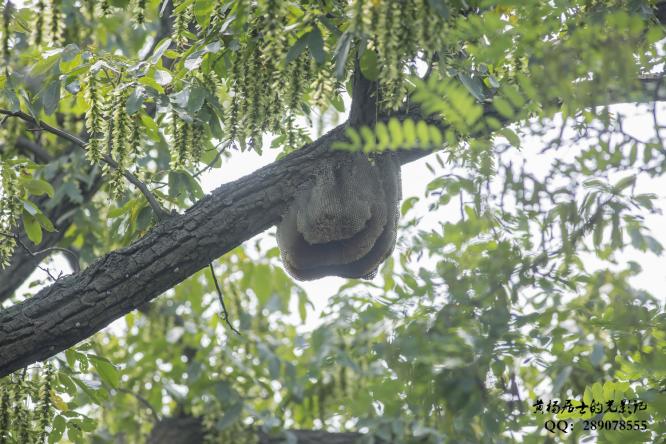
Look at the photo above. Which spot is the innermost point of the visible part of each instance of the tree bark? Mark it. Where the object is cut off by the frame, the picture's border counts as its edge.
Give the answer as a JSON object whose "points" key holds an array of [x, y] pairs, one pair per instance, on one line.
{"points": [[77, 306], [189, 430]]}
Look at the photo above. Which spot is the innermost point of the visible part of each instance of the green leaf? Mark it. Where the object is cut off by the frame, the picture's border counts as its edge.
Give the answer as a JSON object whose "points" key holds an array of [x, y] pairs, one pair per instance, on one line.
{"points": [[12, 99], [47, 63], [162, 77], [409, 131], [597, 355], [194, 60], [150, 126], [57, 429], [440, 7], [183, 6], [231, 415], [316, 45], [368, 64], [202, 12], [196, 99], [369, 139], [159, 51], [297, 48], [511, 136], [181, 98], [423, 133], [654, 245], [383, 137], [177, 183], [435, 135], [30, 207], [51, 97], [261, 283], [69, 52], [38, 187], [503, 107], [302, 305], [135, 100], [45, 222], [32, 228], [341, 54], [395, 129], [354, 138], [87, 389], [106, 370], [408, 204], [473, 85], [624, 183]]}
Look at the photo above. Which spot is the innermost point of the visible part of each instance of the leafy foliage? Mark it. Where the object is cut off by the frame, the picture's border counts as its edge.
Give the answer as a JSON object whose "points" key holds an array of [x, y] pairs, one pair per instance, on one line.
{"points": [[493, 304]]}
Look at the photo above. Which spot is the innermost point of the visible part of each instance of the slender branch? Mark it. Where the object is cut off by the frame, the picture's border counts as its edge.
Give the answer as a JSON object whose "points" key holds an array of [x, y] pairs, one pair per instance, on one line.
{"points": [[45, 126], [67, 251], [225, 314], [160, 212], [212, 162]]}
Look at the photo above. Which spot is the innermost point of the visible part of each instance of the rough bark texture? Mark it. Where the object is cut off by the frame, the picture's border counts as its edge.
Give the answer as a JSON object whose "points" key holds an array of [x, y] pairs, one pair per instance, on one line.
{"points": [[79, 305], [188, 430]]}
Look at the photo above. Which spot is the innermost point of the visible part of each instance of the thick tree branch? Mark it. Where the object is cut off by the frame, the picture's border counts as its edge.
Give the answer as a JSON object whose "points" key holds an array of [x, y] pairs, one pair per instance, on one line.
{"points": [[79, 305], [189, 430]]}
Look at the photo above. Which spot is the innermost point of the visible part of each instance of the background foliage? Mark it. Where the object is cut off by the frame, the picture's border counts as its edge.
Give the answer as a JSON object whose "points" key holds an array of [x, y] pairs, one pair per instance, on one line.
{"points": [[465, 326]]}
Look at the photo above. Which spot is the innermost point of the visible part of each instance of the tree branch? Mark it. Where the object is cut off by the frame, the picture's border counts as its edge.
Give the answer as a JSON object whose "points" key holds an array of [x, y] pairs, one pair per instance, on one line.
{"points": [[37, 151], [160, 212], [190, 430], [77, 306]]}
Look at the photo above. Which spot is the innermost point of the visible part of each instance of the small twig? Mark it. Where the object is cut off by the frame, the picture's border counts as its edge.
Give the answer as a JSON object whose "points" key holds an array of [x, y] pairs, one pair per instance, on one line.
{"points": [[225, 314], [25, 247], [160, 212], [45, 250], [212, 162]]}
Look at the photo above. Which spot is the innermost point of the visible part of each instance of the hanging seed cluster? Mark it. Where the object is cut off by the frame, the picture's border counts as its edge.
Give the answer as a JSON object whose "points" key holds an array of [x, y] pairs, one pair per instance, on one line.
{"points": [[26, 406], [110, 128], [11, 208], [48, 25], [182, 16], [7, 11], [266, 85], [119, 134], [139, 11], [187, 141], [399, 31], [95, 122], [267, 90]]}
